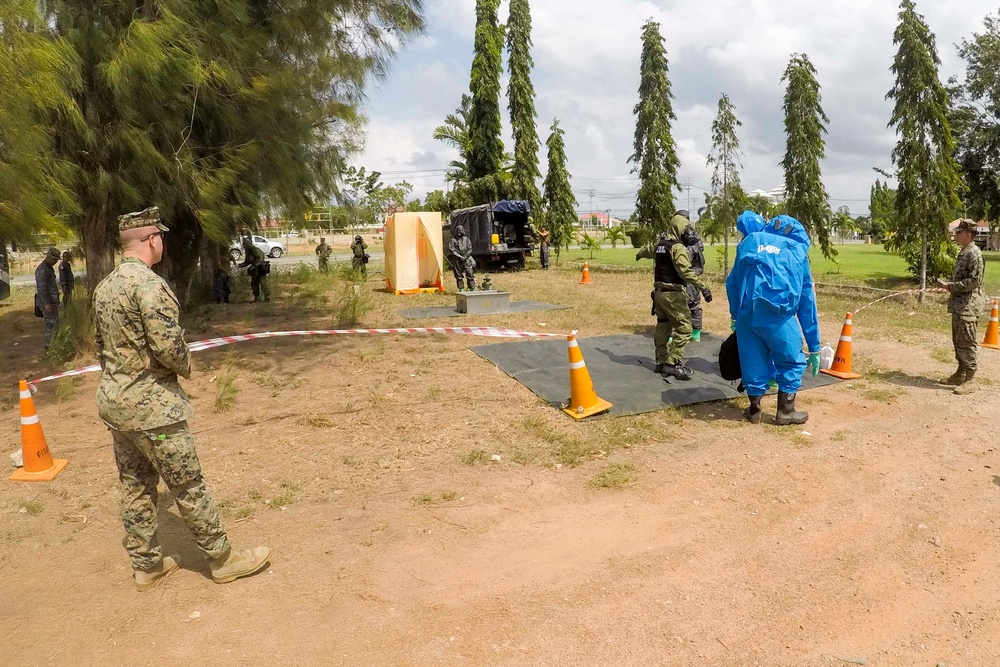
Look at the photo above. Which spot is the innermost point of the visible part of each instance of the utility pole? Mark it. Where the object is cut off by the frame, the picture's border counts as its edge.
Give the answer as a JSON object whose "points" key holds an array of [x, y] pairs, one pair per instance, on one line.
{"points": [[688, 186], [590, 212]]}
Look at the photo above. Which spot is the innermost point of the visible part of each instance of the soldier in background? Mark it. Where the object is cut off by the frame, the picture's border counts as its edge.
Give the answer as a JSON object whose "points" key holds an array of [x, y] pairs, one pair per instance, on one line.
{"points": [[141, 349], [47, 294], [965, 305], [66, 278], [323, 252], [672, 272], [259, 268], [543, 247], [221, 285], [463, 264], [360, 259], [696, 250]]}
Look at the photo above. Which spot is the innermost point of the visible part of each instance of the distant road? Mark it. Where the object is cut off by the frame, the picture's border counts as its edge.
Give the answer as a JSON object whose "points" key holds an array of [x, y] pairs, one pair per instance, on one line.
{"points": [[287, 260]]}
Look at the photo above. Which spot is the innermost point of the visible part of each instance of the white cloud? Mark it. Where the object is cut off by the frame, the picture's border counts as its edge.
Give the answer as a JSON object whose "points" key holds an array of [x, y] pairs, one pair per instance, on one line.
{"points": [[586, 56]]}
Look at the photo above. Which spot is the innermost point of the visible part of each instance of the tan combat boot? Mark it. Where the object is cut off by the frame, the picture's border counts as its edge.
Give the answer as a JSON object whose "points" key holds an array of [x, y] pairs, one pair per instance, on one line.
{"points": [[147, 580], [968, 386], [955, 379], [239, 563]]}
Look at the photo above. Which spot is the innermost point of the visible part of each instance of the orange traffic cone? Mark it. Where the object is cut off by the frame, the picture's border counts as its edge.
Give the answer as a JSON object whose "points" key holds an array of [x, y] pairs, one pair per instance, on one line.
{"points": [[992, 339], [842, 357], [585, 280], [583, 401], [38, 463]]}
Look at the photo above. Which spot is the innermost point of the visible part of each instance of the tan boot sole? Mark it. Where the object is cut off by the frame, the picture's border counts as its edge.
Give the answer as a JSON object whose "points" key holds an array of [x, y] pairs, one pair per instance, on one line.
{"points": [[239, 575], [150, 585]]}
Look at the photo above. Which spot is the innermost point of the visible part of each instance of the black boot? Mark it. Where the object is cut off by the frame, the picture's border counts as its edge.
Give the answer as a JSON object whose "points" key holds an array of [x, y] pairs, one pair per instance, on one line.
{"points": [[658, 368], [753, 413], [787, 414], [678, 370]]}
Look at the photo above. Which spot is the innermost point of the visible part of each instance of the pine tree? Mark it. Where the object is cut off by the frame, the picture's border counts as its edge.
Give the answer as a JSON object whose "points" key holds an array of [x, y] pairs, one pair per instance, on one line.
{"points": [[37, 74], [198, 108], [521, 103], [926, 196], [655, 157], [805, 124], [485, 147], [558, 197], [974, 121], [727, 194]]}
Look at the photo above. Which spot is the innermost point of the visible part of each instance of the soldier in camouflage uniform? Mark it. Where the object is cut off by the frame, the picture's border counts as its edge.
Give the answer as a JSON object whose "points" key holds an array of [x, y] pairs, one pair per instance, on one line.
{"points": [[47, 293], [254, 258], [672, 272], [965, 305], [141, 350], [323, 252]]}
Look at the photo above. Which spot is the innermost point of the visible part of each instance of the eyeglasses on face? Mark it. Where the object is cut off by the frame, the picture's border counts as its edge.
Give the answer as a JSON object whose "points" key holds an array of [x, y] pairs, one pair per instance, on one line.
{"points": [[149, 236]]}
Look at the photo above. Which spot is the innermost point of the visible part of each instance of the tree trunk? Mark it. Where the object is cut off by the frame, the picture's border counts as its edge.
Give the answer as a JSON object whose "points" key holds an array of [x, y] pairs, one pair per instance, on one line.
{"points": [[213, 256], [725, 261], [100, 240], [181, 249], [923, 264]]}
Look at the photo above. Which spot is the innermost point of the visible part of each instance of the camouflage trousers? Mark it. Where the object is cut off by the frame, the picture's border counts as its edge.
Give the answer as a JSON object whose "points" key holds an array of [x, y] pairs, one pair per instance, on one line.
{"points": [[143, 457], [258, 285], [963, 337], [673, 325], [323, 263], [51, 324]]}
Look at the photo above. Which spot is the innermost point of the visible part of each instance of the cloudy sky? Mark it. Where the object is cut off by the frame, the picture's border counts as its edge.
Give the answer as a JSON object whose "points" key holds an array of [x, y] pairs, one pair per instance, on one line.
{"points": [[586, 74]]}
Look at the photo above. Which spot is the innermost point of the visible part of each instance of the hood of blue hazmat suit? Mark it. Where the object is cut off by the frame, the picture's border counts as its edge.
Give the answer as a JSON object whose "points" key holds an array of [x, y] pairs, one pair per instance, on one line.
{"points": [[749, 222], [786, 225]]}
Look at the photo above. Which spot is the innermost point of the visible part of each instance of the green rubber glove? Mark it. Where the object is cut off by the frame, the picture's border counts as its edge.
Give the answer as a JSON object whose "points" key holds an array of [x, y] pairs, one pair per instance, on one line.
{"points": [[813, 363], [732, 325]]}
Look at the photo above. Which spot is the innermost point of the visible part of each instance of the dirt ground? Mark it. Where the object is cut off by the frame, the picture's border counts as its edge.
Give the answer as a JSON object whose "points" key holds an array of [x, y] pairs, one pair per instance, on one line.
{"points": [[425, 509]]}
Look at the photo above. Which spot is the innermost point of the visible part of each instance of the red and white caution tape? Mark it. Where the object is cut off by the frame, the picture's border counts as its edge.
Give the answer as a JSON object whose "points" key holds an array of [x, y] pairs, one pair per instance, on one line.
{"points": [[209, 343]]}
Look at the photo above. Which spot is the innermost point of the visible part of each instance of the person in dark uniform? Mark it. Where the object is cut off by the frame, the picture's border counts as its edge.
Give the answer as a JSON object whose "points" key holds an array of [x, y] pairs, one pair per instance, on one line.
{"points": [[696, 249]]}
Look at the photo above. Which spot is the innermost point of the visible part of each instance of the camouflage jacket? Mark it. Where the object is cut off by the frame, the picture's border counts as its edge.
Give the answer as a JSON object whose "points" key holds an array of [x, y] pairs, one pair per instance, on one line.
{"points": [[966, 287], [141, 348], [46, 286], [324, 251]]}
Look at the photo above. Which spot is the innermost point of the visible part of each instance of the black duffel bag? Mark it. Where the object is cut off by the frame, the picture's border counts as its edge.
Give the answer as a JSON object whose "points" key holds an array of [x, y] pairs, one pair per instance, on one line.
{"points": [[729, 359]]}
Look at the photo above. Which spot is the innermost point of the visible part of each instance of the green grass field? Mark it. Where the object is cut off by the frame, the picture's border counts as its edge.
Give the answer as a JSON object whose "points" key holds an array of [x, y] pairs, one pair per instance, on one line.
{"points": [[857, 264]]}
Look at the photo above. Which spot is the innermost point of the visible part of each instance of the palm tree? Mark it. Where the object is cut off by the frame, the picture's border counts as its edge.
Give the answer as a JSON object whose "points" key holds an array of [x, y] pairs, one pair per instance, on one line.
{"points": [[615, 235], [588, 242], [455, 132]]}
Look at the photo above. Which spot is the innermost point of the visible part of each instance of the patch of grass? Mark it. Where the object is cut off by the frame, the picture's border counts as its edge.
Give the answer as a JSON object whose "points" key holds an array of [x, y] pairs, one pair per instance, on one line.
{"points": [[423, 499], [943, 354], [226, 390], [800, 440], [448, 496], [475, 456], [351, 305], [66, 387], [882, 395], [838, 436], [288, 495], [75, 335], [614, 476], [315, 421], [33, 507], [523, 456]]}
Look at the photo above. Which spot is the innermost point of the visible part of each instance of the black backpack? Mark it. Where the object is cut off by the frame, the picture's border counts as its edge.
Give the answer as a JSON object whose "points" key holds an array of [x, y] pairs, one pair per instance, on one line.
{"points": [[729, 359]]}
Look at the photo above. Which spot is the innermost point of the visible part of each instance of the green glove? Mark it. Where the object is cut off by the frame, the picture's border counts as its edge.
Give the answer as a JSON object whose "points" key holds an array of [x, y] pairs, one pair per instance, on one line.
{"points": [[813, 363], [732, 325]]}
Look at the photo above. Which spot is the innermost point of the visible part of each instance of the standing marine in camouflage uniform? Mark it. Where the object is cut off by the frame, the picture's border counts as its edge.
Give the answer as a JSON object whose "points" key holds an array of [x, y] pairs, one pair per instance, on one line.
{"points": [[671, 273], [696, 250], [323, 252], [360, 260], [253, 257], [463, 264], [141, 349], [965, 305], [47, 293], [66, 278]]}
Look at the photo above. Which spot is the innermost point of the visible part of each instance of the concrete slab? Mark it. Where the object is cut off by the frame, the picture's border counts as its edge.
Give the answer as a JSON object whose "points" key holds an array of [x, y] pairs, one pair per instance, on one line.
{"points": [[621, 368]]}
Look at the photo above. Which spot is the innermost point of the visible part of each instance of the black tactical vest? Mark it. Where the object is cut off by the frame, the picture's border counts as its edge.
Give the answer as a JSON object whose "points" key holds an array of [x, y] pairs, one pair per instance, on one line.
{"points": [[664, 270]]}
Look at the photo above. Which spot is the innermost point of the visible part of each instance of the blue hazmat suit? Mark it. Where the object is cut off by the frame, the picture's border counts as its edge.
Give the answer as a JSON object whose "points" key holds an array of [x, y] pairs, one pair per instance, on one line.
{"points": [[771, 296]]}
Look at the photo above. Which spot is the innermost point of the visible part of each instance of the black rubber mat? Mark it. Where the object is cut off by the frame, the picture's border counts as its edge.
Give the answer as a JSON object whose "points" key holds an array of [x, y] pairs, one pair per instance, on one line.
{"points": [[621, 368], [449, 311]]}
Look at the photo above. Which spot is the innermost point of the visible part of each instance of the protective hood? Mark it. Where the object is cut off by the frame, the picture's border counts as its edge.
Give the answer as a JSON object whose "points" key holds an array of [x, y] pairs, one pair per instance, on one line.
{"points": [[749, 222], [676, 227], [786, 225]]}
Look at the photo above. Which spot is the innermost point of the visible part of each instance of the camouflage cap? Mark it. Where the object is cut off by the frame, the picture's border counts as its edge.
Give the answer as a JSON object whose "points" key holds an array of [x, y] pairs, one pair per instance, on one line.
{"points": [[966, 225], [149, 217], [53, 253]]}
